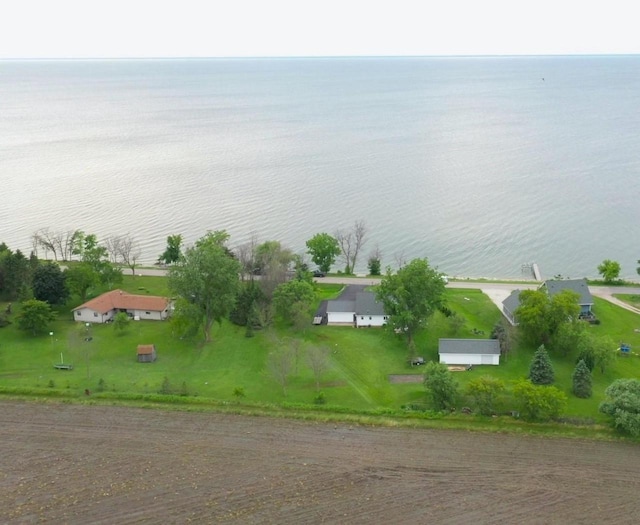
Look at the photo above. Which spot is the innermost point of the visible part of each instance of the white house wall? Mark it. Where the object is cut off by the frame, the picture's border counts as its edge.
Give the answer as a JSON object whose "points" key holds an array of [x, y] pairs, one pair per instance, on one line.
{"points": [[470, 359], [370, 320], [86, 315]]}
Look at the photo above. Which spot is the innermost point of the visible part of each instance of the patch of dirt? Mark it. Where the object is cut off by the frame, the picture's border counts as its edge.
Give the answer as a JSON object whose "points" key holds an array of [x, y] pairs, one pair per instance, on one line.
{"points": [[103, 465], [405, 378]]}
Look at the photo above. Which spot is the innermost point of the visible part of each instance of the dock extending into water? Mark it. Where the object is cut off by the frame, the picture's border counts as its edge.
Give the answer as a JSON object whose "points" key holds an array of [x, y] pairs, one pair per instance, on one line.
{"points": [[536, 272], [533, 269]]}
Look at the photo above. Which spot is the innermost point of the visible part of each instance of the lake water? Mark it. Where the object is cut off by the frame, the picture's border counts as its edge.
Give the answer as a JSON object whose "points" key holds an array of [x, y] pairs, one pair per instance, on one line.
{"points": [[479, 164]]}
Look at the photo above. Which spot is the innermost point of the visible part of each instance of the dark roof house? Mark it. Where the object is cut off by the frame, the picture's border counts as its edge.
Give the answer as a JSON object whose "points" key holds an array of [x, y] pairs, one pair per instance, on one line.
{"points": [[552, 287]]}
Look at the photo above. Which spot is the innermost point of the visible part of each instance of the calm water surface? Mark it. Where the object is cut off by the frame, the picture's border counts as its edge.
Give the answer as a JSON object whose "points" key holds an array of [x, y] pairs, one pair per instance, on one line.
{"points": [[480, 164]]}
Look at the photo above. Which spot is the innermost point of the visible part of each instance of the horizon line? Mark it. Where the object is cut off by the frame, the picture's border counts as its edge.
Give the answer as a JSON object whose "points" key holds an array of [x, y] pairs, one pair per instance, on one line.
{"points": [[310, 57]]}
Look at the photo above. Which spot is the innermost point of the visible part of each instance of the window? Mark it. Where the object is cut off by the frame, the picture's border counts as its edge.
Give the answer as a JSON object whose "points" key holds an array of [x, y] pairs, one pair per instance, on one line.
{"points": [[95, 314], [78, 313], [148, 313], [362, 317], [369, 318]]}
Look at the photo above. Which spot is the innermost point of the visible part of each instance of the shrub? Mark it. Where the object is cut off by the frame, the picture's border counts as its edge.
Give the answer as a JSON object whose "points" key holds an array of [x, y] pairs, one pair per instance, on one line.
{"points": [[320, 399], [440, 385], [622, 403], [538, 403]]}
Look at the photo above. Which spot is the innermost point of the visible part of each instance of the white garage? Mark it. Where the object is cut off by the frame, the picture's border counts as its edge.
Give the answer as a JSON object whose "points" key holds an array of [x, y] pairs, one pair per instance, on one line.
{"points": [[469, 351], [341, 312]]}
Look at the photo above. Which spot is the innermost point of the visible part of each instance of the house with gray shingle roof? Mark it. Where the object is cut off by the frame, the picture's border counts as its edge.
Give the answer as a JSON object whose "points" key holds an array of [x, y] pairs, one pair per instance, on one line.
{"points": [[365, 310], [579, 286], [552, 287], [509, 306]]}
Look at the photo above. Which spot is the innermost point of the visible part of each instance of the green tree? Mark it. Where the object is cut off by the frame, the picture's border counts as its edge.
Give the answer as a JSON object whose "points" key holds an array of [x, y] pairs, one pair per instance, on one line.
{"points": [[35, 316], [173, 251], [249, 298], [121, 322], [207, 277], [292, 299], [323, 249], [622, 403], [186, 319], [539, 315], [610, 270], [541, 369], [581, 378], [80, 279], [597, 352], [538, 403], [485, 391], [410, 297], [15, 274], [440, 385], [49, 284], [504, 333], [374, 266], [568, 337], [375, 262]]}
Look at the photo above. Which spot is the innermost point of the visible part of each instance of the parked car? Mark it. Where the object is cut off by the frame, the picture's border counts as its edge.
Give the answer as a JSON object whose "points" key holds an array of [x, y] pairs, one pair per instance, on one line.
{"points": [[318, 273]]}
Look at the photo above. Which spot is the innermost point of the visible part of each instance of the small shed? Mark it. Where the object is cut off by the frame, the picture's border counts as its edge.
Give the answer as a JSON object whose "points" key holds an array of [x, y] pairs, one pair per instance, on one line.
{"points": [[146, 353], [469, 351]]}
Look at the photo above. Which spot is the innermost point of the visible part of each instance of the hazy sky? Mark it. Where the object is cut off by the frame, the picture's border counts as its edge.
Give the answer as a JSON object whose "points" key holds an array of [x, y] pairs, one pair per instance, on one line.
{"points": [[197, 28]]}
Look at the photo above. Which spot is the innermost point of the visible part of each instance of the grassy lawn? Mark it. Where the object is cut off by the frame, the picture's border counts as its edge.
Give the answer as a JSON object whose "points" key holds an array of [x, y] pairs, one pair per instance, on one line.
{"points": [[360, 360], [631, 299]]}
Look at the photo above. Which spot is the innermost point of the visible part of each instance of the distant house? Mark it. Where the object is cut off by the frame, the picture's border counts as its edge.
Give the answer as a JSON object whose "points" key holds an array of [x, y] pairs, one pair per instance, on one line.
{"points": [[469, 351], [579, 286], [552, 287], [365, 310], [146, 353], [103, 308]]}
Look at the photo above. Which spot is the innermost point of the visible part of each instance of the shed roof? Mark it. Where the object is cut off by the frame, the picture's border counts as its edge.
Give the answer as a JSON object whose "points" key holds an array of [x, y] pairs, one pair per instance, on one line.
{"points": [[469, 346], [366, 304], [146, 349], [577, 285], [122, 300]]}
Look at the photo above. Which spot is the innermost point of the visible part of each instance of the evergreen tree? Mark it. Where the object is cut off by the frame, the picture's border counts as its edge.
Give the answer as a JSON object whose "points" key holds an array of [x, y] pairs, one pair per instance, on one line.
{"points": [[541, 369], [581, 380]]}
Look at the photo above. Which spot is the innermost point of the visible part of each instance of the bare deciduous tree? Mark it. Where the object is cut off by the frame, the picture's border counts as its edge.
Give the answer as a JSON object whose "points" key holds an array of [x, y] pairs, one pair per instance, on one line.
{"points": [[400, 258], [318, 359], [129, 251], [112, 244], [351, 242], [280, 365], [246, 254], [60, 243]]}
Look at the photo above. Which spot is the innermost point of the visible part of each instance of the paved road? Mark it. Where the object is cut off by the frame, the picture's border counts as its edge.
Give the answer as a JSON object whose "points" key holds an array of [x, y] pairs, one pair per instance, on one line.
{"points": [[496, 291]]}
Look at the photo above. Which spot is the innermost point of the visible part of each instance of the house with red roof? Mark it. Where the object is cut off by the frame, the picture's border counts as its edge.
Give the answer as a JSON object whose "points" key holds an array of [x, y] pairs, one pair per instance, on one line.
{"points": [[103, 308]]}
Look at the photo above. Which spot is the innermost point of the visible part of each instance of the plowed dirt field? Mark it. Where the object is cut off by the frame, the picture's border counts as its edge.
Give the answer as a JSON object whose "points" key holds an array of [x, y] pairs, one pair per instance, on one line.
{"points": [[92, 465]]}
